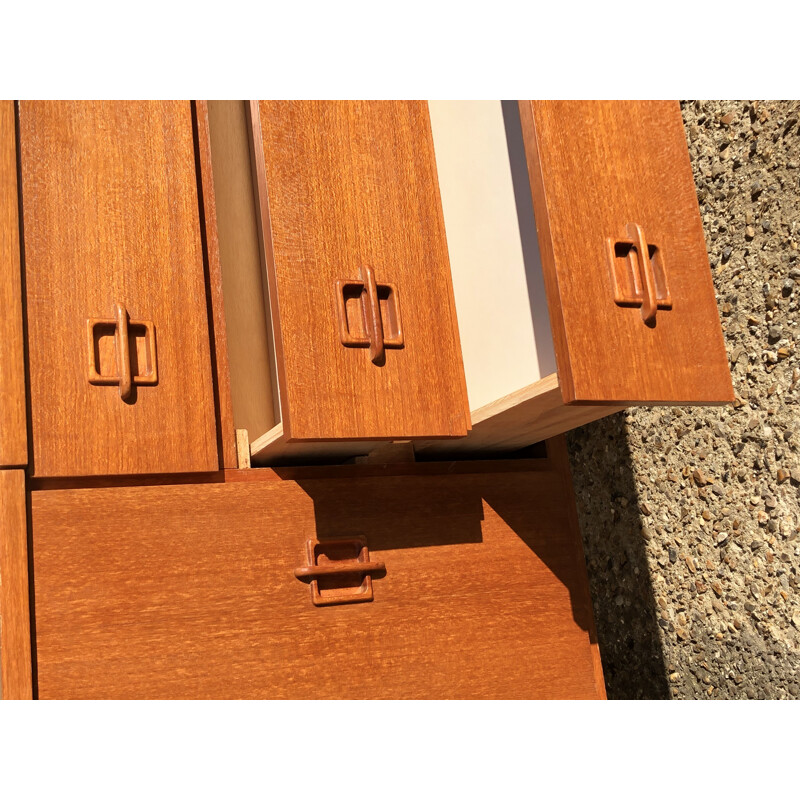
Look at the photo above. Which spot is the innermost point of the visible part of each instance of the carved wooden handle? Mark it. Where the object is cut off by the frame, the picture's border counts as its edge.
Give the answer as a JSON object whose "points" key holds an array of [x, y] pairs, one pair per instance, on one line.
{"points": [[650, 300], [123, 351], [379, 334], [372, 308], [340, 568], [335, 560], [125, 332]]}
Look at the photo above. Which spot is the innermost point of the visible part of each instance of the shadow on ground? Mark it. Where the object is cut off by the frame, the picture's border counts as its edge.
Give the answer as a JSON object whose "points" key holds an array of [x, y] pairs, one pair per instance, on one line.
{"points": [[624, 605]]}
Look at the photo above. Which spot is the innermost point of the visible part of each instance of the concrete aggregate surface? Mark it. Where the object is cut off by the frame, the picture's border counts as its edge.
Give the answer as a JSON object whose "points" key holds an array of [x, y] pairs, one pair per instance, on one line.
{"points": [[690, 516]]}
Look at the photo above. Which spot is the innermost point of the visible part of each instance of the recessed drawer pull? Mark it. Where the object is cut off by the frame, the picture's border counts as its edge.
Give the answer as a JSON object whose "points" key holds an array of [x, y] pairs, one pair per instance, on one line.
{"points": [[379, 334], [122, 328], [638, 273], [331, 563]]}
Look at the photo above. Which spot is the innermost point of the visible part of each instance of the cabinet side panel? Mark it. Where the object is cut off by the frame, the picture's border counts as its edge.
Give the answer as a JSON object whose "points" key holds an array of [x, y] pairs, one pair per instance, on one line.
{"points": [[243, 277], [15, 631], [216, 305], [491, 236], [13, 435]]}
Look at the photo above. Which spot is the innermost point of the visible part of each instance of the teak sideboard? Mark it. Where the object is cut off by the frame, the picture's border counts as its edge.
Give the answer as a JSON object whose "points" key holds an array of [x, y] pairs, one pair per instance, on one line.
{"points": [[283, 387]]}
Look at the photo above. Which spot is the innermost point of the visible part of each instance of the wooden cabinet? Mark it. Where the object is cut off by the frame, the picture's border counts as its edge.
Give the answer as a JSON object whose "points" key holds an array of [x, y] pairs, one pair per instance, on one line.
{"points": [[578, 261], [478, 588], [345, 238], [574, 227], [118, 334]]}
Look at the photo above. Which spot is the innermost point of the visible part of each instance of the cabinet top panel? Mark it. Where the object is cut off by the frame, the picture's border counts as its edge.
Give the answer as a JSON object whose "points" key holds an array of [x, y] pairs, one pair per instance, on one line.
{"points": [[629, 287], [349, 198]]}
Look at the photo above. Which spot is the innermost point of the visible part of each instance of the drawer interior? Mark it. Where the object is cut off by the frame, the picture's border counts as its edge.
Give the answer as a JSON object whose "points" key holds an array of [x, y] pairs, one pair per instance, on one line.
{"points": [[494, 252]]}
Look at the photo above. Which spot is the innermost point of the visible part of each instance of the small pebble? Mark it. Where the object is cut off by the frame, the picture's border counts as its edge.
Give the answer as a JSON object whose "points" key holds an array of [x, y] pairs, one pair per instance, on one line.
{"points": [[699, 478]]}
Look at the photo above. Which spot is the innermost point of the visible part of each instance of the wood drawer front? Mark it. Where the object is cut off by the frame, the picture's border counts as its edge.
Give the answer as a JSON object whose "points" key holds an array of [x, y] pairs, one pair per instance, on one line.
{"points": [[596, 169], [111, 215], [189, 591], [344, 186]]}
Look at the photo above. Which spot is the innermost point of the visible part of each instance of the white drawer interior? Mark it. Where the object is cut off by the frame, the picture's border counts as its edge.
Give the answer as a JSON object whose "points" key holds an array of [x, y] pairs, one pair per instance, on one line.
{"points": [[494, 252]]}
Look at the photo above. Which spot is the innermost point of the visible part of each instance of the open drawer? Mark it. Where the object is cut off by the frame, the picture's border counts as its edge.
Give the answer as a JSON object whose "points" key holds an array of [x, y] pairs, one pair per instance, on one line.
{"points": [[572, 324], [577, 264], [362, 341]]}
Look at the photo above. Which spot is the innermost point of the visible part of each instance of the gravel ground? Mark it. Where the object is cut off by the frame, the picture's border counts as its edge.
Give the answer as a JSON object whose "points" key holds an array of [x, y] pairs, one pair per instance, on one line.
{"points": [[693, 545]]}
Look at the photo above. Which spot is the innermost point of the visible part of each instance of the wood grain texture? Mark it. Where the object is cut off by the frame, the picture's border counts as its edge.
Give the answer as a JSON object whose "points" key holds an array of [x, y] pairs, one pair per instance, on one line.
{"points": [[343, 185], [189, 591], [220, 365], [15, 630], [110, 215], [13, 434], [243, 278], [558, 454], [242, 449], [529, 415], [595, 168]]}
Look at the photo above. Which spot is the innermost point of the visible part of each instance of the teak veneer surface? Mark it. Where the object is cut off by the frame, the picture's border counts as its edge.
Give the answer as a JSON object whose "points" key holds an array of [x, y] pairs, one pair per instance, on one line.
{"points": [[13, 435], [343, 186], [594, 168], [111, 215], [188, 591], [15, 631]]}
